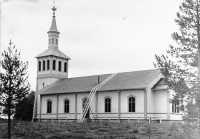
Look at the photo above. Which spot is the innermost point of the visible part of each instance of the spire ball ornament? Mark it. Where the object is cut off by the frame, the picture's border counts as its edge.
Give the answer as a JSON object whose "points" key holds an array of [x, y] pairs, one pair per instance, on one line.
{"points": [[54, 9]]}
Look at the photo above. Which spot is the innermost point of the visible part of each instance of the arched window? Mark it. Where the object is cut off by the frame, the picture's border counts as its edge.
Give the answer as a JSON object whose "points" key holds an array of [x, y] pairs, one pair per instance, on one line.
{"points": [[60, 66], [54, 64], [66, 106], [49, 41], [39, 66], [107, 105], [49, 106], [43, 65], [65, 67], [88, 112], [131, 104], [56, 42], [84, 101], [52, 40], [47, 64]]}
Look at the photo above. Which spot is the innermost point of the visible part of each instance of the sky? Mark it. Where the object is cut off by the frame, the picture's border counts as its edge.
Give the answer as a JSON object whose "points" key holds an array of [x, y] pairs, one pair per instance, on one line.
{"points": [[100, 36]]}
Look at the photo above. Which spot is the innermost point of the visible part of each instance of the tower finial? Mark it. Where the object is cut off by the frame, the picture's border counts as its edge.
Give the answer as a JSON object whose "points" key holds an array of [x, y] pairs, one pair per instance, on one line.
{"points": [[54, 9]]}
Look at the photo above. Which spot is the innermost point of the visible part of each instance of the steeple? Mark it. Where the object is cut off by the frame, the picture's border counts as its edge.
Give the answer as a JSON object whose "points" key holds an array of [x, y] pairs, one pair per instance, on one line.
{"points": [[53, 33], [53, 27]]}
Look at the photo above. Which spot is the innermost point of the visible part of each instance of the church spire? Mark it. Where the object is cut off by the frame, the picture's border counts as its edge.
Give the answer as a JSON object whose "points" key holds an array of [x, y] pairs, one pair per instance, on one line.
{"points": [[53, 33], [53, 27]]}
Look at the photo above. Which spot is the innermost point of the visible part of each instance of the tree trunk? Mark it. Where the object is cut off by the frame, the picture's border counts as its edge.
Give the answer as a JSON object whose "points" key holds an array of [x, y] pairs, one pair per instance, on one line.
{"points": [[198, 39], [9, 113]]}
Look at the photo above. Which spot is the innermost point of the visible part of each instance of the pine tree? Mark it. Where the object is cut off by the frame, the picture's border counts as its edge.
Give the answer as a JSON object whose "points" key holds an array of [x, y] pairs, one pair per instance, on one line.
{"points": [[181, 65], [24, 109], [14, 85]]}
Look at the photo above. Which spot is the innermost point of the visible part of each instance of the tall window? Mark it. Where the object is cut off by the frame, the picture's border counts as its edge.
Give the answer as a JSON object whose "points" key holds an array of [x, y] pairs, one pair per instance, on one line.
{"points": [[49, 106], [54, 64], [39, 66], [43, 65], [60, 66], [107, 105], [52, 40], [65, 67], [56, 42], [88, 112], [49, 41], [47, 64], [66, 106], [175, 107], [131, 104]]}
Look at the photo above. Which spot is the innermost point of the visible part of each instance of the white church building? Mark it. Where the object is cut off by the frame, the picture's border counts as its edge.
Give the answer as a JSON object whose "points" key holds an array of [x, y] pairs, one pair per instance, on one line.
{"points": [[127, 95]]}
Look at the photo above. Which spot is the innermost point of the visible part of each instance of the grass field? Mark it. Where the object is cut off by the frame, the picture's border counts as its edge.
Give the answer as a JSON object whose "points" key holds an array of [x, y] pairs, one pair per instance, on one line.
{"points": [[103, 130]]}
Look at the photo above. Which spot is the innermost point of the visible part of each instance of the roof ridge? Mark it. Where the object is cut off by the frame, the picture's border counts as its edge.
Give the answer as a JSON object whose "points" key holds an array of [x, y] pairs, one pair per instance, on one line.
{"points": [[111, 73]]}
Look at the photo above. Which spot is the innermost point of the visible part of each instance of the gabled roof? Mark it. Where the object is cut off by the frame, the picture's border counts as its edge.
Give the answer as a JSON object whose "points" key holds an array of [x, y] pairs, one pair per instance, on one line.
{"points": [[53, 52], [122, 81]]}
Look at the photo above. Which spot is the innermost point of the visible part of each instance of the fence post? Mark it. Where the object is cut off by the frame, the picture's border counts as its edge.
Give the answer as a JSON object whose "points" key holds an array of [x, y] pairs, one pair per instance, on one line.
{"points": [[138, 120], [118, 119], [149, 120], [128, 119]]}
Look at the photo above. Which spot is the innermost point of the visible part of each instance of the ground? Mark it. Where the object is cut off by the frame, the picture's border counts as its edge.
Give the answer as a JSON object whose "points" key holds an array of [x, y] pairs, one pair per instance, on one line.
{"points": [[102, 130]]}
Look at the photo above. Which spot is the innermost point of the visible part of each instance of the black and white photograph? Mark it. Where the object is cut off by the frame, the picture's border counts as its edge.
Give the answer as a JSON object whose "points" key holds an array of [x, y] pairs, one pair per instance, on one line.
{"points": [[100, 69]]}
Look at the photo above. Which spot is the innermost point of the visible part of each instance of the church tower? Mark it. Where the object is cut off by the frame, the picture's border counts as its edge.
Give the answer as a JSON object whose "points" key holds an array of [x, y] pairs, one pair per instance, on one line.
{"points": [[52, 64]]}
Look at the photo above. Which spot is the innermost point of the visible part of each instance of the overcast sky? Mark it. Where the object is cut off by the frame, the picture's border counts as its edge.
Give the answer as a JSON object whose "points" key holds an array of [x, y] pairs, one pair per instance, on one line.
{"points": [[100, 36]]}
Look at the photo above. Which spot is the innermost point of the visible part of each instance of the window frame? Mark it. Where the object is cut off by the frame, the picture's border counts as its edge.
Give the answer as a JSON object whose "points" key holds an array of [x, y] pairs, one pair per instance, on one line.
{"points": [[106, 108], [66, 99], [85, 98], [43, 65], [54, 65], [48, 64], [131, 96], [59, 66], [65, 66], [39, 66], [175, 107], [49, 100]]}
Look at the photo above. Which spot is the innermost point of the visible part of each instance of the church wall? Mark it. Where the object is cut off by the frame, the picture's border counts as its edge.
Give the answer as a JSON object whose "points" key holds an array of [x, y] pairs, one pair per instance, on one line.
{"points": [[139, 98], [160, 102], [80, 97], [38, 105], [150, 102], [59, 73], [71, 114], [114, 101], [53, 98], [46, 82], [71, 98], [44, 72], [175, 116]]}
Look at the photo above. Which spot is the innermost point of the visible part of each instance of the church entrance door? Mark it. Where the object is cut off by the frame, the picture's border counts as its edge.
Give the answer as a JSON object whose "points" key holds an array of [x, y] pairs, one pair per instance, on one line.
{"points": [[88, 112]]}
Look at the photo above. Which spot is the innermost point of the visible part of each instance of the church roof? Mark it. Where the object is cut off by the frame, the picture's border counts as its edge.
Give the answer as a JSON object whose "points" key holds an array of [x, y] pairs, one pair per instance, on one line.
{"points": [[122, 81], [53, 52]]}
